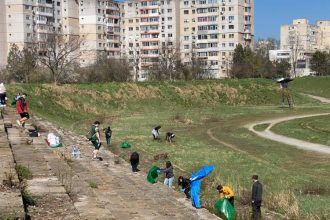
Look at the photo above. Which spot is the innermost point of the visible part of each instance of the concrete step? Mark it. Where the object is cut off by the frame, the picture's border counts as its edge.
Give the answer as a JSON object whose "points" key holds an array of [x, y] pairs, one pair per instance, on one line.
{"points": [[52, 200], [124, 194], [11, 203]]}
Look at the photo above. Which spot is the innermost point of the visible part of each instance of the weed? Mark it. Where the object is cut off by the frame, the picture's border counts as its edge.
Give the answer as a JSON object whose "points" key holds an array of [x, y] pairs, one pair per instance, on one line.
{"points": [[284, 202], [11, 216], [9, 180], [314, 190], [28, 199], [92, 184], [261, 127], [66, 179], [23, 172]]}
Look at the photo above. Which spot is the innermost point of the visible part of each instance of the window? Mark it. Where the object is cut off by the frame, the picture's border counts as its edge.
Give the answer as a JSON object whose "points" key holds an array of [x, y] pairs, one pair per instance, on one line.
{"points": [[231, 27], [186, 12]]}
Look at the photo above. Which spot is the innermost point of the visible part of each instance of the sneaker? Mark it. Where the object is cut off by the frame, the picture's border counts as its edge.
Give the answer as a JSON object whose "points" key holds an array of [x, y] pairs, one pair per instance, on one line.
{"points": [[99, 158]]}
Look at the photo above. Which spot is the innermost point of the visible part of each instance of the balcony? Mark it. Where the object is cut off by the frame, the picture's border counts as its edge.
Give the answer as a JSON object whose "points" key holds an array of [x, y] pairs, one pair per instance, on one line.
{"points": [[150, 47], [41, 21], [43, 4], [247, 37], [149, 15], [149, 55], [47, 14]]}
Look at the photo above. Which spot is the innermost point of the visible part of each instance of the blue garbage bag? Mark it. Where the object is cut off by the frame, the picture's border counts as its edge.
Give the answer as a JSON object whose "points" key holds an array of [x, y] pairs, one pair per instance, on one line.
{"points": [[195, 183]]}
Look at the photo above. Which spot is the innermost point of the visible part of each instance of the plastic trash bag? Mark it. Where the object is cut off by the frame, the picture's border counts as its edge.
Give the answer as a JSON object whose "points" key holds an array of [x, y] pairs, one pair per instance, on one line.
{"points": [[195, 183], [53, 140], [224, 208], [125, 144], [153, 174]]}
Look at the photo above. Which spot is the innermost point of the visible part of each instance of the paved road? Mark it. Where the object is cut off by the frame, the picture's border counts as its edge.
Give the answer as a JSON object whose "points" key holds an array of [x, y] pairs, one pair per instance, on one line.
{"points": [[300, 144]]}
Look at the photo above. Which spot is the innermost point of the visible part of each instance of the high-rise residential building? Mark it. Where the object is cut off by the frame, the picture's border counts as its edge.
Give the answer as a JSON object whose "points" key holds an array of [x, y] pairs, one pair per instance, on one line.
{"points": [[211, 29], [303, 39], [140, 31], [149, 27], [100, 28], [28, 23], [3, 35]]}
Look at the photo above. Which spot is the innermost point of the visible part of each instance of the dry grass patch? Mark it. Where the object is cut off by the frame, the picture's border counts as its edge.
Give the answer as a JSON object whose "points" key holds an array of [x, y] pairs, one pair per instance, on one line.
{"points": [[284, 202], [183, 119]]}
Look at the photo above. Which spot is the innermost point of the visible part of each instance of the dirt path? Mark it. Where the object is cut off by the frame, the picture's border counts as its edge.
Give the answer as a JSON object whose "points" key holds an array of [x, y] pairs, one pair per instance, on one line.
{"points": [[300, 144], [321, 99]]}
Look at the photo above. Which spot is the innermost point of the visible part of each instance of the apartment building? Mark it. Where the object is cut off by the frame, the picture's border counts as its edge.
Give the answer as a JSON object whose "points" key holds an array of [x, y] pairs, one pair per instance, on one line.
{"points": [[100, 28], [149, 27], [303, 39], [3, 35], [138, 30], [27, 23], [211, 29]]}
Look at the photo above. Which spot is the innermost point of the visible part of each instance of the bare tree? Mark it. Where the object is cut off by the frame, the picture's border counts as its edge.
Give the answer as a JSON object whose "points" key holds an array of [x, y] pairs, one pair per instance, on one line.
{"points": [[60, 55], [134, 61], [169, 64], [296, 48]]}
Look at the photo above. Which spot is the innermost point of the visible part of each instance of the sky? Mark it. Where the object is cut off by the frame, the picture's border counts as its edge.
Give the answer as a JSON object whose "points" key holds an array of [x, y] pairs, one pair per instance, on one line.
{"points": [[271, 14]]}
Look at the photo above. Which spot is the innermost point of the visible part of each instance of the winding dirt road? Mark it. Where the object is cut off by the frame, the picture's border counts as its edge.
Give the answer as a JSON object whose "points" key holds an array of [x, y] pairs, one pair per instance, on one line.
{"points": [[300, 144]]}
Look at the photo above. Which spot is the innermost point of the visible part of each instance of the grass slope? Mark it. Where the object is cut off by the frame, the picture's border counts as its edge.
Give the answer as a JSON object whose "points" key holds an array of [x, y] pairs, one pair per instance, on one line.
{"points": [[319, 86], [193, 110]]}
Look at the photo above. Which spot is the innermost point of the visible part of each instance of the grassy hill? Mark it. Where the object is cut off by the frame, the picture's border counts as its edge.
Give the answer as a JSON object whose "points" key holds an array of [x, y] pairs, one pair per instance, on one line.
{"points": [[207, 118], [73, 102], [319, 86]]}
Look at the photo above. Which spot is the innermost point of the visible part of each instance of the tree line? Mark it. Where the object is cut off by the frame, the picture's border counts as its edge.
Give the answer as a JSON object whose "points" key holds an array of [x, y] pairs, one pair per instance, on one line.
{"points": [[59, 62]]}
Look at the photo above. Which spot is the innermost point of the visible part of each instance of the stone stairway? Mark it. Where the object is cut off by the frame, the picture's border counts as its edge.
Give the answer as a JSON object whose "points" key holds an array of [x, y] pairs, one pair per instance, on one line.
{"points": [[69, 188], [11, 203]]}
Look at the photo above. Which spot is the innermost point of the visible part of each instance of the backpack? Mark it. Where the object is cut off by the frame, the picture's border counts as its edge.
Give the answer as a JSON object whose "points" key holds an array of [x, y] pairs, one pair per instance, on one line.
{"points": [[91, 134]]}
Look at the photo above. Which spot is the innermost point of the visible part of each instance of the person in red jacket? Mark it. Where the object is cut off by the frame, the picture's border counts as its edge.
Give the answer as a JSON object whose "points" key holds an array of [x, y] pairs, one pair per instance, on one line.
{"points": [[22, 110]]}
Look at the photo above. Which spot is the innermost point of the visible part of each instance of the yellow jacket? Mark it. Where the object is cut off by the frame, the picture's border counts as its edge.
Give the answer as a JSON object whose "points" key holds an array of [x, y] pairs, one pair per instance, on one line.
{"points": [[226, 191]]}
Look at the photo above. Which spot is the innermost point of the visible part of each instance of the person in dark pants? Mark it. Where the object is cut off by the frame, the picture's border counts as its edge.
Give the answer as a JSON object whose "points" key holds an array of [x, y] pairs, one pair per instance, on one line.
{"points": [[184, 183], [22, 109], [169, 136], [155, 132], [256, 198], [135, 159], [108, 134], [96, 139]]}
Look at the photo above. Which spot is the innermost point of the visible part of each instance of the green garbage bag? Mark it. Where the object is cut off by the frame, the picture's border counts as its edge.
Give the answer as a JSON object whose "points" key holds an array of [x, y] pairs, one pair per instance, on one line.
{"points": [[224, 208], [125, 144], [153, 174], [13, 103]]}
